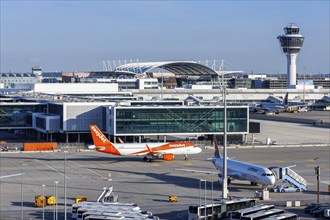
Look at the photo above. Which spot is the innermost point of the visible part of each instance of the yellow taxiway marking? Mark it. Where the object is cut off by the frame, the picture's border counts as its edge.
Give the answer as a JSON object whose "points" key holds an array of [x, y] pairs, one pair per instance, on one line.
{"points": [[310, 165], [155, 164], [280, 161], [188, 163]]}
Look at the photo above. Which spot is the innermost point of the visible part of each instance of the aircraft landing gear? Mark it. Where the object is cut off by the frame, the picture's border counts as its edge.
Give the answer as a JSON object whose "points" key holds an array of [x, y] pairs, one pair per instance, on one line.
{"points": [[148, 159], [185, 157]]}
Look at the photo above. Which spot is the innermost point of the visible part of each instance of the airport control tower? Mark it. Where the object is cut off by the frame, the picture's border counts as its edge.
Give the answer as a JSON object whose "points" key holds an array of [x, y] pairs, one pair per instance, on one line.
{"points": [[291, 42]]}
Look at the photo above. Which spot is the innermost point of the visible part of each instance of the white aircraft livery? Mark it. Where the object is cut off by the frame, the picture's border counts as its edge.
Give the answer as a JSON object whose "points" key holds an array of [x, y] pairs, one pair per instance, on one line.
{"points": [[148, 150], [243, 171], [239, 170]]}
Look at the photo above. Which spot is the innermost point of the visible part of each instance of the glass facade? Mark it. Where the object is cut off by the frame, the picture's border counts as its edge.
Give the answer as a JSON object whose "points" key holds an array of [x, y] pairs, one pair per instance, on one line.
{"points": [[56, 109], [18, 115], [158, 120], [41, 123], [291, 41]]}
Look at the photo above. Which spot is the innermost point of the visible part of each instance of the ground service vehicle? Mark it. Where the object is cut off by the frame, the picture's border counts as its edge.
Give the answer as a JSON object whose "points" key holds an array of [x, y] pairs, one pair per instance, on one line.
{"points": [[99, 217], [4, 148], [284, 216], [247, 211], [111, 210], [317, 207], [89, 213], [219, 210], [319, 212], [263, 214], [326, 213], [79, 208]]}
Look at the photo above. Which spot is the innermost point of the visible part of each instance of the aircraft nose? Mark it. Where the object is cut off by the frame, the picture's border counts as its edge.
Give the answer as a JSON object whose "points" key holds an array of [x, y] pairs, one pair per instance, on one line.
{"points": [[198, 149], [271, 180]]}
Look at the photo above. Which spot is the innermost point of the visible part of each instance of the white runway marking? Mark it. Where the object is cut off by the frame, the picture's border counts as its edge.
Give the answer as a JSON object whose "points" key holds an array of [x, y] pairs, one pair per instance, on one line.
{"points": [[325, 182], [18, 174], [92, 171], [52, 168]]}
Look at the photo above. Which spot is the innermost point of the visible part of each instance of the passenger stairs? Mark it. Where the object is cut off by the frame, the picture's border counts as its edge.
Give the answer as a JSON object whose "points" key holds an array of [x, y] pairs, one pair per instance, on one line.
{"points": [[107, 195], [296, 182]]}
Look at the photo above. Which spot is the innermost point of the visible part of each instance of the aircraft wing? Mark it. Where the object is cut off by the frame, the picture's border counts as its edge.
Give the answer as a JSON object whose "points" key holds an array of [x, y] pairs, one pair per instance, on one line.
{"points": [[235, 175], [231, 175], [199, 171]]}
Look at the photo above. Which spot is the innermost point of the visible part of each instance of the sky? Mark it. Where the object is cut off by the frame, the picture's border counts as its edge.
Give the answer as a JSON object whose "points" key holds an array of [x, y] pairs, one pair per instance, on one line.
{"points": [[80, 35]]}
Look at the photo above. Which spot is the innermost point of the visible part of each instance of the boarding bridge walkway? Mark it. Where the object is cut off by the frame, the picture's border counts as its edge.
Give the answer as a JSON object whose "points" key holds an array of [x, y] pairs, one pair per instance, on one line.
{"points": [[287, 175]]}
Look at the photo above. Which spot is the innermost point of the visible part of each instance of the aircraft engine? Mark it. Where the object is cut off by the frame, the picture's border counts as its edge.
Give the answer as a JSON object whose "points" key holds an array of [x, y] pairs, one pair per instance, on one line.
{"points": [[168, 157]]}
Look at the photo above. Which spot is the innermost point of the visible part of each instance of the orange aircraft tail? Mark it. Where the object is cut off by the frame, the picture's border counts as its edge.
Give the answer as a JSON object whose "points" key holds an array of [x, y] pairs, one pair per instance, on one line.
{"points": [[102, 144]]}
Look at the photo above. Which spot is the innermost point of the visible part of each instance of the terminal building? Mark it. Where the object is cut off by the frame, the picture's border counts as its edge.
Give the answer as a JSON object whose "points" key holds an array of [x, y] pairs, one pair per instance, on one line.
{"points": [[143, 108], [67, 120], [63, 112]]}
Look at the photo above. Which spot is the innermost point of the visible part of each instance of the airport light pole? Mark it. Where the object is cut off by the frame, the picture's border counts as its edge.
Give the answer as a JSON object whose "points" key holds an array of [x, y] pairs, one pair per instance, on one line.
{"points": [[55, 206], [304, 88], [224, 182], [212, 188], [200, 199], [43, 202], [317, 171], [65, 183], [22, 198], [205, 198], [224, 172]]}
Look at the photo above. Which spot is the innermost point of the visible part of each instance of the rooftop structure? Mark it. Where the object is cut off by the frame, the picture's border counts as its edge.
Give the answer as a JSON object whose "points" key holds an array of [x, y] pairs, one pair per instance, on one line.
{"points": [[176, 67], [10, 79], [37, 70]]}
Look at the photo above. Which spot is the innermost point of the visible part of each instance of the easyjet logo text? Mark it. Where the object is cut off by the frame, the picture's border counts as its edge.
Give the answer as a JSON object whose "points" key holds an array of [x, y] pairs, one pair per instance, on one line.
{"points": [[99, 134], [177, 145]]}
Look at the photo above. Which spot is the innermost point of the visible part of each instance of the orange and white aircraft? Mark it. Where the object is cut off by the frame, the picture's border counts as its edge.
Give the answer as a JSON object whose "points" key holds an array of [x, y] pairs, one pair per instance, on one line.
{"points": [[150, 151]]}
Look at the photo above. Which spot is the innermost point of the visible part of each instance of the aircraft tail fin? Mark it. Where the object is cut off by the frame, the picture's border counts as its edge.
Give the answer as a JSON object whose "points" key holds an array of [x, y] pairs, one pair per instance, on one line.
{"points": [[216, 147], [286, 97], [102, 143]]}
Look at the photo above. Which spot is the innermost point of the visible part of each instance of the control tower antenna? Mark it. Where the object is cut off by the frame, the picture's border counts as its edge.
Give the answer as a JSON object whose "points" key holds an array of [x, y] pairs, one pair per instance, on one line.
{"points": [[291, 42]]}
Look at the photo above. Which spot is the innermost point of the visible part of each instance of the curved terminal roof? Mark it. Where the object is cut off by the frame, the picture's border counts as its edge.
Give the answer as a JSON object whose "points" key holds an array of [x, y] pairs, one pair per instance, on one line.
{"points": [[176, 67]]}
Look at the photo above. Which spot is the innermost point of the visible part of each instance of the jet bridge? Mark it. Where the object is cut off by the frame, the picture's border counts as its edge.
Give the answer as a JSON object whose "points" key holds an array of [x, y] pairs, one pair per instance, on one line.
{"points": [[290, 180]]}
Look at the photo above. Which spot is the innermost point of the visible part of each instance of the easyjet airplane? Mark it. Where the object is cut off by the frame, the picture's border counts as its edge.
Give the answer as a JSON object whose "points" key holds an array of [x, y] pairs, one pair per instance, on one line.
{"points": [[150, 151]]}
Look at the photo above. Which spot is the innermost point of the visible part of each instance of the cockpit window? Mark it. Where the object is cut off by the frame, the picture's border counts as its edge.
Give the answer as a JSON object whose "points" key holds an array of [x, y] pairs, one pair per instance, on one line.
{"points": [[267, 174]]}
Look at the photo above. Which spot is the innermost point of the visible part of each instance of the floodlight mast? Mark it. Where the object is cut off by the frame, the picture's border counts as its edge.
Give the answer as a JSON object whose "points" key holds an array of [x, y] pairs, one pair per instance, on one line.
{"points": [[224, 153], [224, 181]]}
